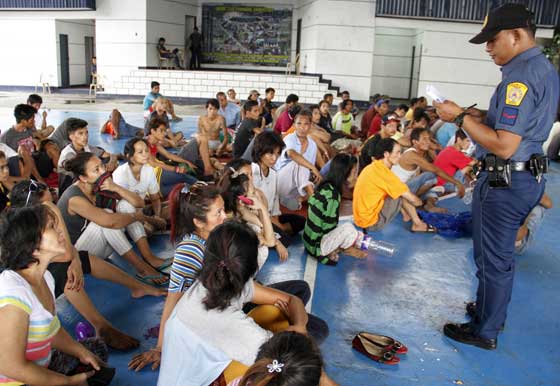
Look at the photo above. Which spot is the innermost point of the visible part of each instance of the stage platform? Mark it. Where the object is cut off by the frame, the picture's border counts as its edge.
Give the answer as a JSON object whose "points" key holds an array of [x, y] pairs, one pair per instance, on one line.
{"points": [[205, 84], [408, 296]]}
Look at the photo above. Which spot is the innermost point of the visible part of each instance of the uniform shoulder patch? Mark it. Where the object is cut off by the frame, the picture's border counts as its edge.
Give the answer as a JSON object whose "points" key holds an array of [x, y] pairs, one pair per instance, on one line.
{"points": [[515, 93], [509, 116]]}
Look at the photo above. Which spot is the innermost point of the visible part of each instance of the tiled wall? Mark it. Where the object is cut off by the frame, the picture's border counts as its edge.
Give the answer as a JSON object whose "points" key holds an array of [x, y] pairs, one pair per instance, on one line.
{"points": [[205, 84]]}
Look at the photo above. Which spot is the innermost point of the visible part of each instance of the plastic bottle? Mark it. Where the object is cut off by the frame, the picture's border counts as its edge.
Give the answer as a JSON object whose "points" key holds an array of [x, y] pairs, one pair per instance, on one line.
{"points": [[83, 331], [467, 198], [380, 247]]}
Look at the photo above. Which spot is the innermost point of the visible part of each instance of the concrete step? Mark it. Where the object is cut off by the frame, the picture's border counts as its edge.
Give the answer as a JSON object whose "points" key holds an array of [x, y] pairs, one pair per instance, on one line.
{"points": [[205, 84]]}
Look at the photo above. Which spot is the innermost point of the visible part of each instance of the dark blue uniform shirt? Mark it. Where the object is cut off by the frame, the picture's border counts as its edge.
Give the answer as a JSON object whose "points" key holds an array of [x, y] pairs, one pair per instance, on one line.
{"points": [[525, 102]]}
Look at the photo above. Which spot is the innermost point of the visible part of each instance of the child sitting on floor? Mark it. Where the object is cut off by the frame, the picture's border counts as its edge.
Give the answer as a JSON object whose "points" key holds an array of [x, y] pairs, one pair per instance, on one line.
{"points": [[323, 237], [160, 109], [237, 181], [266, 150], [170, 168]]}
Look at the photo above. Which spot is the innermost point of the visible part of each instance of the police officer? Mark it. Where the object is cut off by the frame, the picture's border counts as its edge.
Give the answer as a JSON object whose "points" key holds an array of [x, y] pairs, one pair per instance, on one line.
{"points": [[509, 145]]}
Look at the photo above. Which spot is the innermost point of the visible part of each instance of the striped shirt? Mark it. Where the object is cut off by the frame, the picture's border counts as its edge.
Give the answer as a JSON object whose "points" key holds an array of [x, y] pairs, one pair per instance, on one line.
{"points": [[187, 263], [322, 217], [43, 326]]}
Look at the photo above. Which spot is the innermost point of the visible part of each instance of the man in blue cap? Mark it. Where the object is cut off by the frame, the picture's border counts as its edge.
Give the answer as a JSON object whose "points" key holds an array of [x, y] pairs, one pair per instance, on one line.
{"points": [[509, 145]]}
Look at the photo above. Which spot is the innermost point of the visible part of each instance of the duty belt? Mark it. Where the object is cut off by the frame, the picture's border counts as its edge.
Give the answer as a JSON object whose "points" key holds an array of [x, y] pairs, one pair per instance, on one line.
{"points": [[500, 169], [516, 166]]}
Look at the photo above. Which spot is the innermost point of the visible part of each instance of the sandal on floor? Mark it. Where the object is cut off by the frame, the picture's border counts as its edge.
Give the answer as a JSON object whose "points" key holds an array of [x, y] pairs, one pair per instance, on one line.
{"points": [[151, 280], [326, 261], [374, 352], [430, 229], [164, 267], [385, 342]]}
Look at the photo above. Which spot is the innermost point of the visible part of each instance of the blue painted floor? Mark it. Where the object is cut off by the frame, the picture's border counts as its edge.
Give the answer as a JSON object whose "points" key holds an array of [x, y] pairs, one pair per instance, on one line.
{"points": [[408, 296]]}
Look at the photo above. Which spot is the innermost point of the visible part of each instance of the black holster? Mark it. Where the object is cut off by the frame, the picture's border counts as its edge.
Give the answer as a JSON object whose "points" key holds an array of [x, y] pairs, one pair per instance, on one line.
{"points": [[538, 165], [499, 171]]}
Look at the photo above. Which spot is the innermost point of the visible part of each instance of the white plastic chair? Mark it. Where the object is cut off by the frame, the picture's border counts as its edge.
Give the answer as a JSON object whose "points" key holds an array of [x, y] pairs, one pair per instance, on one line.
{"points": [[169, 63], [96, 84], [44, 82], [166, 63], [295, 66]]}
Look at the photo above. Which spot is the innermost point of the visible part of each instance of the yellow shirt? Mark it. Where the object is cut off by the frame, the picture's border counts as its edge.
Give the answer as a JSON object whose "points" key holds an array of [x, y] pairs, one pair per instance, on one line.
{"points": [[409, 115], [374, 184]]}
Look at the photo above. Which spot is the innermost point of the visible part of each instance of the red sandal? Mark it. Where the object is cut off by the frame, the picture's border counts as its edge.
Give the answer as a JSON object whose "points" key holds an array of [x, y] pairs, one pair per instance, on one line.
{"points": [[373, 351]]}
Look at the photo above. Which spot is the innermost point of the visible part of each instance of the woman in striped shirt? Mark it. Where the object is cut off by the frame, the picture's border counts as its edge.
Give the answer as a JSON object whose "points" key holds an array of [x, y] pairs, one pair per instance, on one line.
{"points": [[195, 212], [29, 327]]}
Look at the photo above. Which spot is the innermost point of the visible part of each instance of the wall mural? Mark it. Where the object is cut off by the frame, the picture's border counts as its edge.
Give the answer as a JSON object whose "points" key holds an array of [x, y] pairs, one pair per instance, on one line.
{"points": [[239, 34]]}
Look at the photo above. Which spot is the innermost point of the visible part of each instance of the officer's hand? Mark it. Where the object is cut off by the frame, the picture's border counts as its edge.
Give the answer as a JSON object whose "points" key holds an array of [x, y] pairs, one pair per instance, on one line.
{"points": [[460, 190], [447, 110]]}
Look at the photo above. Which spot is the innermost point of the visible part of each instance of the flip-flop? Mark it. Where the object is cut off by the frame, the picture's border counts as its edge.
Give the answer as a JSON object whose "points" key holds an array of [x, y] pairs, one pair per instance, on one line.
{"points": [[430, 229], [164, 266], [327, 261], [188, 168], [150, 279]]}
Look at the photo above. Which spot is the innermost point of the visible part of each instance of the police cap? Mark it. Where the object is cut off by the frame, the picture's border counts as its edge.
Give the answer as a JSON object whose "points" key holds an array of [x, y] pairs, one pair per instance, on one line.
{"points": [[508, 16]]}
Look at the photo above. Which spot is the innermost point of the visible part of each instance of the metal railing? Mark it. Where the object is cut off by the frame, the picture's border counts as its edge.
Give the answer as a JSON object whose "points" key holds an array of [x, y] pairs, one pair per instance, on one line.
{"points": [[547, 12], [47, 4]]}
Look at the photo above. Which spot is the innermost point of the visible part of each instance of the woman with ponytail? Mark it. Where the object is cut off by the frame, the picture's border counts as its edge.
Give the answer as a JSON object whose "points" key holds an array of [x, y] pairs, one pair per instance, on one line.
{"points": [[194, 212], [236, 182], [208, 335]]}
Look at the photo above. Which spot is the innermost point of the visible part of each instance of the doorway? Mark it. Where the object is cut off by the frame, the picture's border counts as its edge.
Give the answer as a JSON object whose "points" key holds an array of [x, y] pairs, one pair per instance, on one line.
{"points": [[298, 38], [190, 23], [89, 54], [298, 47], [415, 71], [64, 61]]}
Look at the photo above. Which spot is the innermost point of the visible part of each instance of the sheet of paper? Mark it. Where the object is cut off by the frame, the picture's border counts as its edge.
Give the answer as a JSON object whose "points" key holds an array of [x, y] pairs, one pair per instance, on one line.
{"points": [[434, 93]]}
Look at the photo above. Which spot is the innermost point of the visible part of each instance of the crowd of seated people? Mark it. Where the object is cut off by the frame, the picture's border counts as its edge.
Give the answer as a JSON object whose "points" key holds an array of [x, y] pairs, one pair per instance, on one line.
{"points": [[255, 178]]}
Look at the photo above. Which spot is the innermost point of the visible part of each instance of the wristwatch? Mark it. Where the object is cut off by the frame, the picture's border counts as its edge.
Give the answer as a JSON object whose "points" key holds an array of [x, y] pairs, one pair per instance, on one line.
{"points": [[458, 121]]}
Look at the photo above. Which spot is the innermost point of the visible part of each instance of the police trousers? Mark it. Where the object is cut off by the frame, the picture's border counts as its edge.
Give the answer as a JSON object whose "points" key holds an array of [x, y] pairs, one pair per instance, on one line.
{"points": [[497, 216]]}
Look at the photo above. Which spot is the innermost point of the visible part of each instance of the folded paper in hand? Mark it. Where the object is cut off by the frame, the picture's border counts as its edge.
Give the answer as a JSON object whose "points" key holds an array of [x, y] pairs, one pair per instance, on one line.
{"points": [[435, 94]]}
